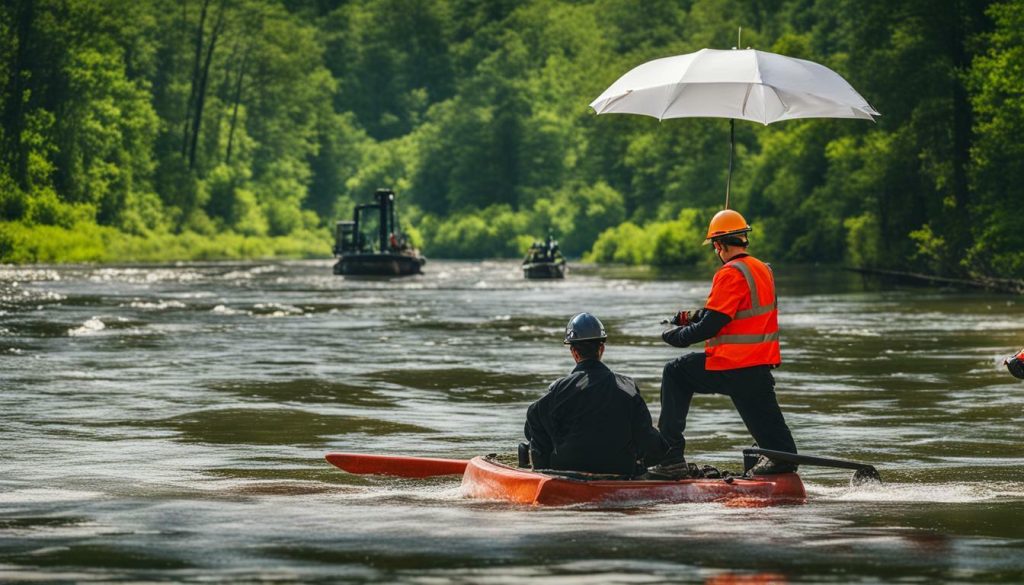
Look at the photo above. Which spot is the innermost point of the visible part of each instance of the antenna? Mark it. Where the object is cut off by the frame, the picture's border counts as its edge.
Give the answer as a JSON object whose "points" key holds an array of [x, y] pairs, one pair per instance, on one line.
{"points": [[739, 35]]}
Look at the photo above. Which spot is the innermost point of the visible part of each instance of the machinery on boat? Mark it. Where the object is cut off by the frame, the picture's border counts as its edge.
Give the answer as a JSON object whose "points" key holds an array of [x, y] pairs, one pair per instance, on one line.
{"points": [[372, 243], [487, 478], [544, 260]]}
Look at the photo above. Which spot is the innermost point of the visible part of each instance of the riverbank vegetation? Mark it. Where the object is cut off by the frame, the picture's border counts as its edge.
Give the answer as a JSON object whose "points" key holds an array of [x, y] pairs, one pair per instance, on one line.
{"points": [[175, 129]]}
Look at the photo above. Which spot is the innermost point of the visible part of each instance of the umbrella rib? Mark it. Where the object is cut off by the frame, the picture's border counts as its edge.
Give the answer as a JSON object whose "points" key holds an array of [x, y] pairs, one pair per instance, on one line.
{"points": [[679, 84], [760, 81], [608, 102], [746, 96], [785, 106], [677, 94]]}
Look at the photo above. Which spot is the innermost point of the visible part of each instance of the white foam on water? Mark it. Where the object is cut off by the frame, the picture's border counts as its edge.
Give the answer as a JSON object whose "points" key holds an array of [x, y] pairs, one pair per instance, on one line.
{"points": [[279, 310], [15, 573], [91, 327], [225, 310], [446, 490], [857, 332], [943, 493], [144, 275], [43, 495], [12, 273], [22, 295], [158, 305]]}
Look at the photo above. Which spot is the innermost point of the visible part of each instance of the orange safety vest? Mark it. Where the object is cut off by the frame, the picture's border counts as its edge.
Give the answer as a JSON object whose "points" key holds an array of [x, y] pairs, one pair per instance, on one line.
{"points": [[752, 337]]}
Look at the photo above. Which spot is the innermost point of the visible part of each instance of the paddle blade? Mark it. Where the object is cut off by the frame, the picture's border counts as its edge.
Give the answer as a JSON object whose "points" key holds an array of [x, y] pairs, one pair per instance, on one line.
{"points": [[865, 475], [396, 466]]}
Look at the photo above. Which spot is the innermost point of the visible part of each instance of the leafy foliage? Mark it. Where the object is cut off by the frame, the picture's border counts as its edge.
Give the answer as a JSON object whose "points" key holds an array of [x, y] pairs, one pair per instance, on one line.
{"points": [[241, 125]]}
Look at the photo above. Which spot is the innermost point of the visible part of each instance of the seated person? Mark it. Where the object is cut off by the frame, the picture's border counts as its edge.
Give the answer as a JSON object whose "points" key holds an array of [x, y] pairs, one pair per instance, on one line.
{"points": [[533, 254], [1016, 365], [592, 420]]}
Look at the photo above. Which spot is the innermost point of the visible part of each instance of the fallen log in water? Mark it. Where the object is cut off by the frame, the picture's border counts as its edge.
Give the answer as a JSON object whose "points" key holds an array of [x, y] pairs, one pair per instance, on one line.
{"points": [[1007, 285]]}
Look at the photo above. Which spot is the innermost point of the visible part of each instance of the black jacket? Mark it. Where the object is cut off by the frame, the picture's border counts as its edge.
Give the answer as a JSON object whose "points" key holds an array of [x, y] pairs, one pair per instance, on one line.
{"points": [[593, 420]]}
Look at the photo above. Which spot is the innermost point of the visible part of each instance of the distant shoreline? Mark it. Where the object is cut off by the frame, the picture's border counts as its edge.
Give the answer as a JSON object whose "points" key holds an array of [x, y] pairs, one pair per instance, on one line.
{"points": [[1007, 285]]}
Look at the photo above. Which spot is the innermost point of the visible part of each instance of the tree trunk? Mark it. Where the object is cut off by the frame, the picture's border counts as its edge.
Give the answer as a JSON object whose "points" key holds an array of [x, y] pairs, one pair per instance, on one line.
{"points": [[196, 61], [197, 117], [237, 100], [961, 110], [14, 108]]}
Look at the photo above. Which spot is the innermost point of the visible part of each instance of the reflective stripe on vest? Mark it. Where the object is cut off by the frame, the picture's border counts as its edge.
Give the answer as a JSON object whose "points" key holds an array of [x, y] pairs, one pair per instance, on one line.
{"points": [[720, 339], [756, 308]]}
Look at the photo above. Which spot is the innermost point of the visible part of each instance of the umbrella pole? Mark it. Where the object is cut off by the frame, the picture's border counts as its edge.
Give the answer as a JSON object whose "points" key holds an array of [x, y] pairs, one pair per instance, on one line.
{"points": [[728, 180]]}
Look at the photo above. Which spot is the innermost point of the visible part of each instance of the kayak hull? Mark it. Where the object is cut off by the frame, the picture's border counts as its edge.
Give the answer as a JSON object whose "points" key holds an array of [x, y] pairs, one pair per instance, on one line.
{"points": [[415, 467], [486, 479]]}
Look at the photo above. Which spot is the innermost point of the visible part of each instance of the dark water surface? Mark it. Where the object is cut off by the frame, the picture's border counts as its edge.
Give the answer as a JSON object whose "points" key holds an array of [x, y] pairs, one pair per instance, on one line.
{"points": [[169, 423]]}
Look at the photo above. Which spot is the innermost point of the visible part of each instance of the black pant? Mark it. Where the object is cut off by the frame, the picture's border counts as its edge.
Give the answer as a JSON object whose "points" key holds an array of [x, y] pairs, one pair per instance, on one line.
{"points": [[752, 391]]}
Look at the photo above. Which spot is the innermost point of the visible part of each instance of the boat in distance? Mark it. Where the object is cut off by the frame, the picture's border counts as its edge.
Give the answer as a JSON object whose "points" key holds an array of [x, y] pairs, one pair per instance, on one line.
{"points": [[544, 260], [373, 244], [539, 270]]}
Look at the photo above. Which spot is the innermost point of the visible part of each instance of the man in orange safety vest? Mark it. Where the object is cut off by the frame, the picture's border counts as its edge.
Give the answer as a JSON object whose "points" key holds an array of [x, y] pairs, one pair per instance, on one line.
{"points": [[740, 330]]}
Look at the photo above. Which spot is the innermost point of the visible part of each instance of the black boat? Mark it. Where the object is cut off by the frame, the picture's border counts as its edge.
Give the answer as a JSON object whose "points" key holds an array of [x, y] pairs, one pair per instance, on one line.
{"points": [[372, 244], [544, 260], [544, 270]]}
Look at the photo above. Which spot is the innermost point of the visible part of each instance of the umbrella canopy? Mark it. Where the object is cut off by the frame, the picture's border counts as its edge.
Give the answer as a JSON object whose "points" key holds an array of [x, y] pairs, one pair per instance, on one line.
{"points": [[749, 85], [738, 84]]}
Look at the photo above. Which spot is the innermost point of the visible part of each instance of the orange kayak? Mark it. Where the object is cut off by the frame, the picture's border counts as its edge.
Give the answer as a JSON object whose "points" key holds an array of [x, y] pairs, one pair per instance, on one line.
{"points": [[398, 466], [487, 479]]}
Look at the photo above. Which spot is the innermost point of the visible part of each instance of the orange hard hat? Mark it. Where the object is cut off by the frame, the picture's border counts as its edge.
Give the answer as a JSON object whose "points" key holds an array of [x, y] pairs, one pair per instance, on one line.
{"points": [[726, 223]]}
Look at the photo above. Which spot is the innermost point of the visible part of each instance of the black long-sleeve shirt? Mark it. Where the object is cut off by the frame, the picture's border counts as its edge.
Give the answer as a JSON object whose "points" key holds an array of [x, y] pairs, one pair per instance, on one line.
{"points": [[706, 324], [593, 420]]}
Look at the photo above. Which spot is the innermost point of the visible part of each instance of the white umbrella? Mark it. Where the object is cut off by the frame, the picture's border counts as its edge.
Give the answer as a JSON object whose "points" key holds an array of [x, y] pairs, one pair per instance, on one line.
{"points": [[745, 84]]}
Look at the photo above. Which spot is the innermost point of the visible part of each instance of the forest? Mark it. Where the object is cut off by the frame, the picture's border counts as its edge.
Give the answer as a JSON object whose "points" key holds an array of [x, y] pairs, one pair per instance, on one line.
{"points": [[159, 130]]}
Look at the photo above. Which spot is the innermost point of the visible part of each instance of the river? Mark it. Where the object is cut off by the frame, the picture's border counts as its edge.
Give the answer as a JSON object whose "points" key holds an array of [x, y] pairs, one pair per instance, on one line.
{"points": [[168, 423]]}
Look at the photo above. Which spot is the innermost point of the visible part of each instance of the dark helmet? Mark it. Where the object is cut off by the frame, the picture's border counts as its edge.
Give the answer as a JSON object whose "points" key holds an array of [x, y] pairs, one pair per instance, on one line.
{"points": [[1016, 365], [584, 327]]}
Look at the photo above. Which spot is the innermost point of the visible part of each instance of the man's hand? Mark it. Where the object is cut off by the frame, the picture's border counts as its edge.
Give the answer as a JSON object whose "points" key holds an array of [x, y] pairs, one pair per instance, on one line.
{"points": [[681, 319], [684, 318]]}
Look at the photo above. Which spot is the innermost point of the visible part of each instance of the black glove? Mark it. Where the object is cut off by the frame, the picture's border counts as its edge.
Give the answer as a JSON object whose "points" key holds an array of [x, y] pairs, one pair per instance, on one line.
{"points": [[681, 319], [1016, 366]]}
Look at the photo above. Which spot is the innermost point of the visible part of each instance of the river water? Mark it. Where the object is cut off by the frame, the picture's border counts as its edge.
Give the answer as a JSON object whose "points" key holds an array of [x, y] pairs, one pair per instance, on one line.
{"points": [[169, 423]]}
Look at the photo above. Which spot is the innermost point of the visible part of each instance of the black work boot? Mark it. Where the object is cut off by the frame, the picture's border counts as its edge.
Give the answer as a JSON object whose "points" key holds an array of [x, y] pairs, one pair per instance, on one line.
{"points": [[672, 467], [766, 466]]}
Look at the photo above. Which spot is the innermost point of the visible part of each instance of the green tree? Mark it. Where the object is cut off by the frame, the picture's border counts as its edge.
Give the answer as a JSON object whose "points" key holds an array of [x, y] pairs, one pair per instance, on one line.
{"points": [[997, 81]]}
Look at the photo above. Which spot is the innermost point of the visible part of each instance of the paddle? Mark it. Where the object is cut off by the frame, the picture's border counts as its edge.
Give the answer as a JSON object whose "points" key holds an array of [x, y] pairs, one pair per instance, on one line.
{"points": [[863, 473], [396, 466]]}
